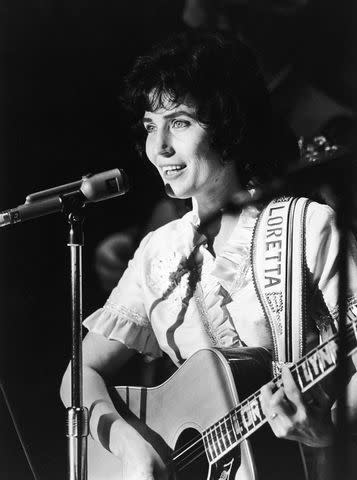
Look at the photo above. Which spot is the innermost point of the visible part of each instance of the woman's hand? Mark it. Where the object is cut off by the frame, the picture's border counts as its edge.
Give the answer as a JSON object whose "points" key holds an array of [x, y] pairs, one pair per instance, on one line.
{"points": [[293, 417], [140, 461]]}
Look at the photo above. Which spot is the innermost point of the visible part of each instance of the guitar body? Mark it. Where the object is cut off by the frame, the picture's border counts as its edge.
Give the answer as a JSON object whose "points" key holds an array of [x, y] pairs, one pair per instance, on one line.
{"points": [[202, 391]]}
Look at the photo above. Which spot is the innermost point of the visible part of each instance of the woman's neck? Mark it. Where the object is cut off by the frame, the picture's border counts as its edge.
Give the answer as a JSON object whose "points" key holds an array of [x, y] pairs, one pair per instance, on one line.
{"points": [[217, 228], [209, 204], [215, 223]]}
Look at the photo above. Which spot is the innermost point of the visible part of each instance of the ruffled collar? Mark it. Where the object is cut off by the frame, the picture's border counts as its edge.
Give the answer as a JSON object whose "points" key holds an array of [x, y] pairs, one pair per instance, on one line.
{"points": [[192, 216], [231, 266]]}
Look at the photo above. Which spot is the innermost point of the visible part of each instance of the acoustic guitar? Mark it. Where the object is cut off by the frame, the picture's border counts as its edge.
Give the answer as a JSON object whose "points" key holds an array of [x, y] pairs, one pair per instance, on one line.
{"points": [[207, 417]]}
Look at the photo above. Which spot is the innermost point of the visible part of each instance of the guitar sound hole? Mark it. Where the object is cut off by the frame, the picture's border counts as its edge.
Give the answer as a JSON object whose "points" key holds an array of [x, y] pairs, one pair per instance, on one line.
{"points": [[191, 462]]}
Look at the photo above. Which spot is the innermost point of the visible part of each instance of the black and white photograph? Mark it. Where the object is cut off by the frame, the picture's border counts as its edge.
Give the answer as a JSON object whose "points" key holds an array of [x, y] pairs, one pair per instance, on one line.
{"points": [[178, 240]]}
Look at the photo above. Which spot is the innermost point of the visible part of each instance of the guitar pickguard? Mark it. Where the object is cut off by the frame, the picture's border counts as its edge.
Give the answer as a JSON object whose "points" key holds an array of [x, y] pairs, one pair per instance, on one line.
{"points": [[227, 467]]}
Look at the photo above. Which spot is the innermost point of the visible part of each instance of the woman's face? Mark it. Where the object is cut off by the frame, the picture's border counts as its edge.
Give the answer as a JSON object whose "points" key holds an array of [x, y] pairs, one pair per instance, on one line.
{"points": [[178, 146]]}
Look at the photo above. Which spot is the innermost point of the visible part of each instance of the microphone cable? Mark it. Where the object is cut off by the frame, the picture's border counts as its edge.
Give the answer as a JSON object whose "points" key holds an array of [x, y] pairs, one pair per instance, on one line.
{"points": [[18, 432]]}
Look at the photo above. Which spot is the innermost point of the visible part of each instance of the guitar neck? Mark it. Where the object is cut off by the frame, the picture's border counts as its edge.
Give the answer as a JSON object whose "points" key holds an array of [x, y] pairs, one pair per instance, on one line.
{"points": [[248, 416]]}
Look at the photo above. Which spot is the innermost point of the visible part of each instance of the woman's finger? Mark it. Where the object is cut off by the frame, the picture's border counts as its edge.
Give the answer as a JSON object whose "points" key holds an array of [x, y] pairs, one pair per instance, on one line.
{"points": [[291, 390]]}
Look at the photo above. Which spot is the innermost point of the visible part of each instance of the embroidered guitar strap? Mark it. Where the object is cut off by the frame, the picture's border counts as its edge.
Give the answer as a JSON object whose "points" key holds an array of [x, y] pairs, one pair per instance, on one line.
{"points": [[278, 259]]}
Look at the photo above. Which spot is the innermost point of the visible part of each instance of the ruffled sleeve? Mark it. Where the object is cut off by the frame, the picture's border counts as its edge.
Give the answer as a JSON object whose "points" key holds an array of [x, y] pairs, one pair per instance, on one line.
{"points": [[123, 317], [322, 243]]}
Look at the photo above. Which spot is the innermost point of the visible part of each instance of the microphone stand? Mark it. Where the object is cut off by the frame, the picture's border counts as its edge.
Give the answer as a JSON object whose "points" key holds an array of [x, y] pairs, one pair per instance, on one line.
{"points": [[70, 199], [77, 414]]}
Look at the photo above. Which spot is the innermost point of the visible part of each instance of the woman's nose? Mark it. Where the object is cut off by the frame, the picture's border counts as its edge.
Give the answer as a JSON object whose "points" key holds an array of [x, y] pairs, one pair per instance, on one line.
{"points": [[164, 145]]}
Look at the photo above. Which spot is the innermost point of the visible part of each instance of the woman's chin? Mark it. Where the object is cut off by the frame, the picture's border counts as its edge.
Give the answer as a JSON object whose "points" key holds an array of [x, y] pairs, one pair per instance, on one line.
{"points": [[170, 192]]}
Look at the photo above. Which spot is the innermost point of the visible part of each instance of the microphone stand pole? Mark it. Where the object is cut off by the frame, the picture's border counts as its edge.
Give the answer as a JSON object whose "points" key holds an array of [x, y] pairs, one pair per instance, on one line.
{"points": [[71, 199], [77, 414]]}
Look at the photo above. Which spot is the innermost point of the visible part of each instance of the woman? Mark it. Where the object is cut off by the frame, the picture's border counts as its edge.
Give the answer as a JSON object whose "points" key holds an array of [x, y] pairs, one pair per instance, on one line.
{"points": [[203, 117]]}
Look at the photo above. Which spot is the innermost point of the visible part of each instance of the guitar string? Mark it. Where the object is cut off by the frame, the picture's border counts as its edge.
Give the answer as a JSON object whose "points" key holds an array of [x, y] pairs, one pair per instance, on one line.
{"points": [[192, 456], [199, 448], [198, 441], [185, 465]]}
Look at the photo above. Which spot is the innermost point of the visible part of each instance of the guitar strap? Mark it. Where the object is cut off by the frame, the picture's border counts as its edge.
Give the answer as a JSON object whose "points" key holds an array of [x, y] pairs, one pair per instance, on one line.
{"points": [[279, 268]]}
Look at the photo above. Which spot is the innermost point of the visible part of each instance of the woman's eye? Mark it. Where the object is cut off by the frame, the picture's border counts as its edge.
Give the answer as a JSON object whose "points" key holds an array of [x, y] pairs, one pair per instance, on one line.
{"points": [[180, 123], [149, 127]]}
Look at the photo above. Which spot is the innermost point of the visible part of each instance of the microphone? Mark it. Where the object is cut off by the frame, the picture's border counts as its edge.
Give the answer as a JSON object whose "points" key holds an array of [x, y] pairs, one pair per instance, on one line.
{"points": [[90, 189]]}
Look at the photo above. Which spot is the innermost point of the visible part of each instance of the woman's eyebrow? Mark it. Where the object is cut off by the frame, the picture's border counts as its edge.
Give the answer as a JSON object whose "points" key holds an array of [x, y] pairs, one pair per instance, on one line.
{"points": [[171, 115]]}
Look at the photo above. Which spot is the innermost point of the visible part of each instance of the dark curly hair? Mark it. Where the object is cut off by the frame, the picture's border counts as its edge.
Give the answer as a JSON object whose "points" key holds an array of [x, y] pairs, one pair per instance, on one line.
{"points": [[222, 77]]}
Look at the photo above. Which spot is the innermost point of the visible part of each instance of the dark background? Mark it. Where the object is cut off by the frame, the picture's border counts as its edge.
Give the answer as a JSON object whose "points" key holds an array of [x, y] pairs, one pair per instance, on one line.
{"points": [[61, 63]]}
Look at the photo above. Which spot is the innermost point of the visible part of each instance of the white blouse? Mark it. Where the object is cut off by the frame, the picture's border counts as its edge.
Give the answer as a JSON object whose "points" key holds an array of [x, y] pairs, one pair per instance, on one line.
{"points": [[176, 297]]}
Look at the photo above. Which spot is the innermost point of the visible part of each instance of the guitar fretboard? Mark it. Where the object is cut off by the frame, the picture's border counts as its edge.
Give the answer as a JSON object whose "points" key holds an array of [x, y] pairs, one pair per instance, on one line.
{"points": [[245, 419]]}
